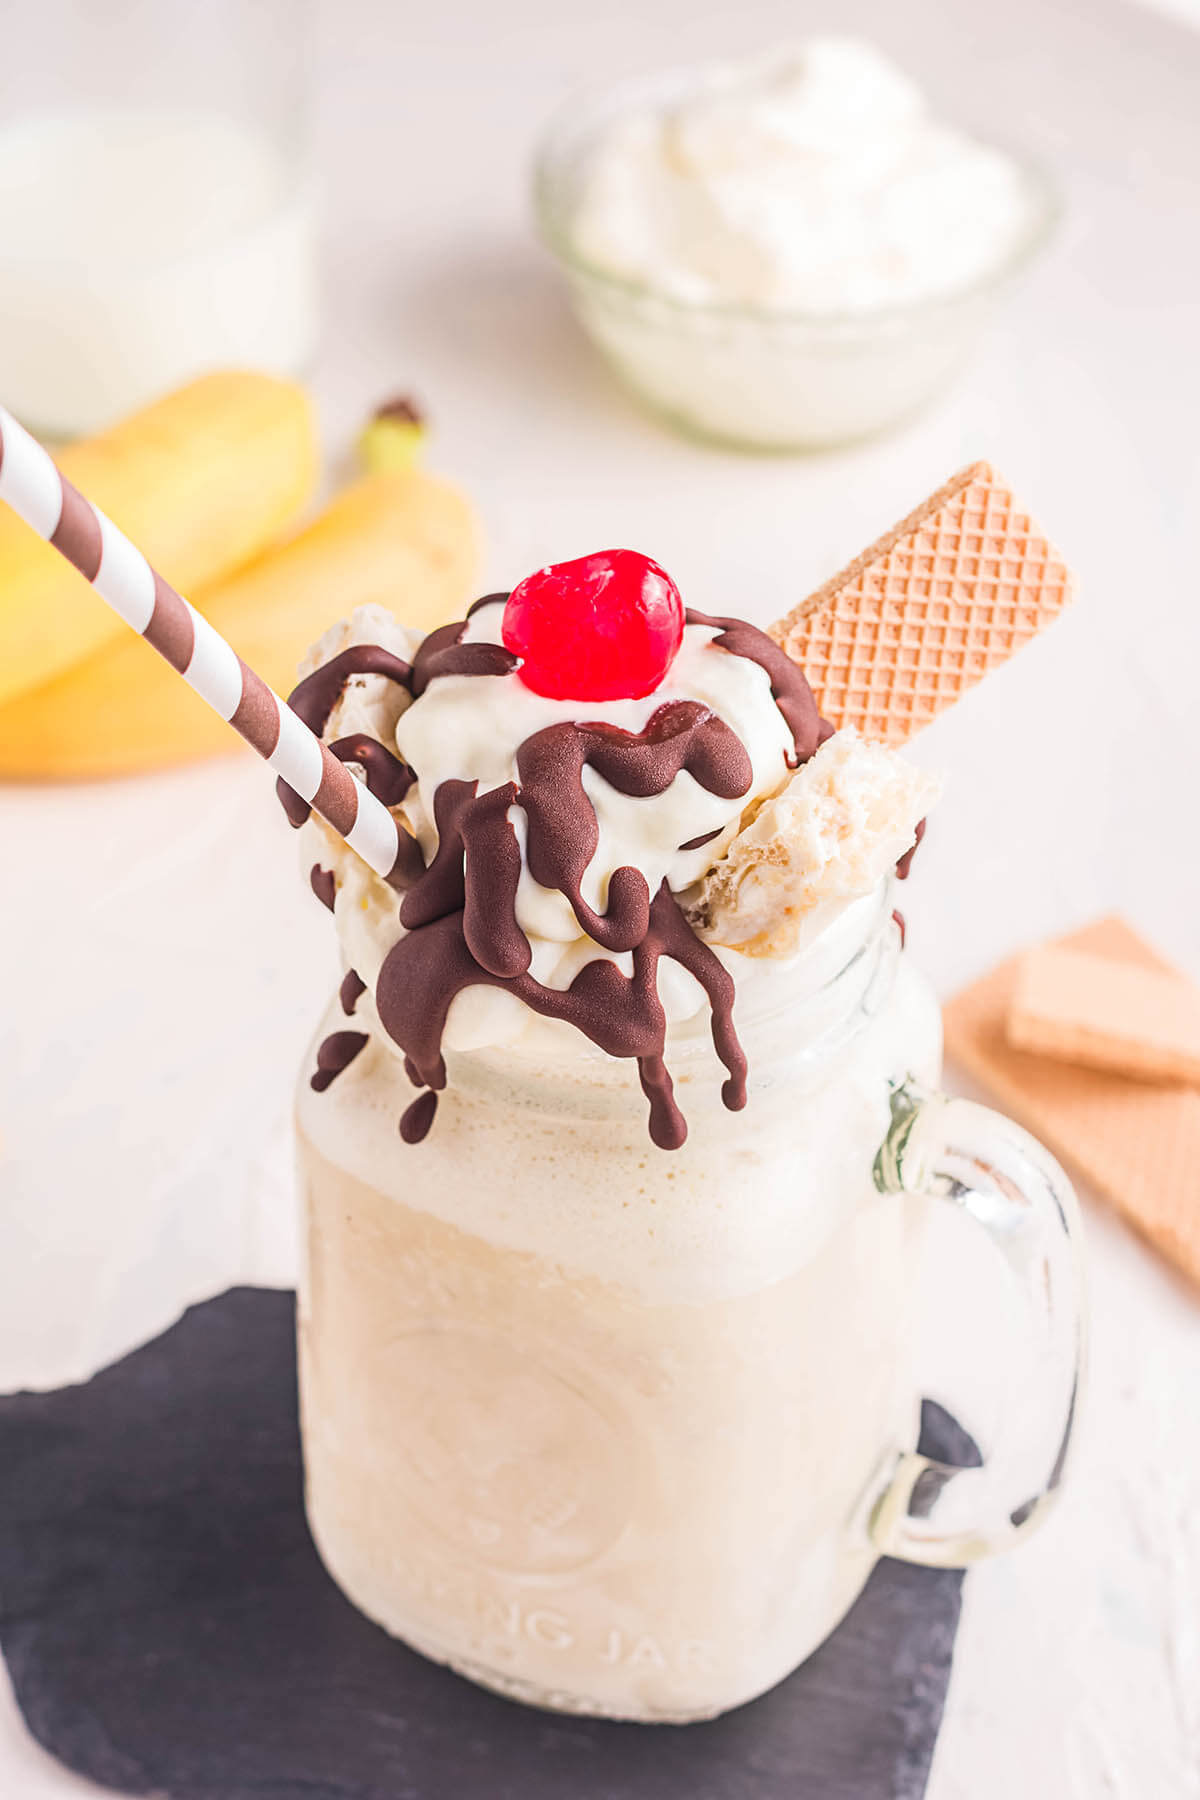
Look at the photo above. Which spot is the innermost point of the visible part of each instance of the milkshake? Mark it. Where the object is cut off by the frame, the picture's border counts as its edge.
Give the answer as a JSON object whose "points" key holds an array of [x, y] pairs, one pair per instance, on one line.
{"points": [[609, 1247]]}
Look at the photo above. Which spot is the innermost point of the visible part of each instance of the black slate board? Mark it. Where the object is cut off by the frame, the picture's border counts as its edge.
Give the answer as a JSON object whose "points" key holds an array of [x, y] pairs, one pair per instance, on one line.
{"points": [[169, 1628]]}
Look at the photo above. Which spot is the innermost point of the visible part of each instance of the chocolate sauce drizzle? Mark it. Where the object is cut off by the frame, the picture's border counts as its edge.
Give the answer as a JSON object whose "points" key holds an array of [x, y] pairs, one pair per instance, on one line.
{"points": [[351, 991], [416, 1119], [563, 832], [388, 778], [904, 866], [486, 600], [442, 653], [323, 884], [424, 972], [460, 913], [474, 830], [789, 688], [313, 699], [334, 1054]]}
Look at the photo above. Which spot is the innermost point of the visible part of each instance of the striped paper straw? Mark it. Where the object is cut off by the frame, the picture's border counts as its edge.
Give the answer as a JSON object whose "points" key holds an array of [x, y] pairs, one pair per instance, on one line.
{"points": [[36, 489]]}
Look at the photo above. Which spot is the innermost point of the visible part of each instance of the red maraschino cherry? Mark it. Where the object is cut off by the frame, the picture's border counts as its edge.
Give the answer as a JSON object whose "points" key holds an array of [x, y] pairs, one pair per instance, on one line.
{"points": [[602, 627]]}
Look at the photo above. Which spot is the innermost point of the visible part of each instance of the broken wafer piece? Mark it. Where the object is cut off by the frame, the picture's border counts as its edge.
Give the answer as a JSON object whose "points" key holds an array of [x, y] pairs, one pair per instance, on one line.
{"points": [[923, 615], [1138, 1145], [1088, 1009], [832, 832]]}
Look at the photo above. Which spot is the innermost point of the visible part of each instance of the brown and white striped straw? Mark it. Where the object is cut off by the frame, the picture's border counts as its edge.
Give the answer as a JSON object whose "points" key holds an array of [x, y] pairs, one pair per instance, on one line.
{"points": [[36, 489]]}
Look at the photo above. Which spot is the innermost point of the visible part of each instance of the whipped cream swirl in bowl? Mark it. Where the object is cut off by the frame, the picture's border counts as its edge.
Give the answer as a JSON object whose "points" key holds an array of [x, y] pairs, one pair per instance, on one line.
{"points": [[789, 251]]}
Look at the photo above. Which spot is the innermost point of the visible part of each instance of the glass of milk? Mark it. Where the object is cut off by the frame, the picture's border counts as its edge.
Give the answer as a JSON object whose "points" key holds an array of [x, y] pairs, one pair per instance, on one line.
{"points": [[623, 1432], [156, 203]]}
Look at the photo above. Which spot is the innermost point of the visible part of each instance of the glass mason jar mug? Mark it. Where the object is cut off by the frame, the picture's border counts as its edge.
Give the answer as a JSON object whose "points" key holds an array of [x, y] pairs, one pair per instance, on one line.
{"points": [[622, 1431]]}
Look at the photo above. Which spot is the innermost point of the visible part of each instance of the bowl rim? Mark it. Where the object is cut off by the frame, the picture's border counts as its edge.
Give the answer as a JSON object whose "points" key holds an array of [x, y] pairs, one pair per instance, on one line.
{"points": [[588, 106]]}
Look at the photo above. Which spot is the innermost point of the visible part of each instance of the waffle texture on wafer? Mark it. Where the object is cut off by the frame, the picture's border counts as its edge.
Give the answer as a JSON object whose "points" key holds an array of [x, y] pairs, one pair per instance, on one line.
{"points": [[914, 622], [1139, 1145]]}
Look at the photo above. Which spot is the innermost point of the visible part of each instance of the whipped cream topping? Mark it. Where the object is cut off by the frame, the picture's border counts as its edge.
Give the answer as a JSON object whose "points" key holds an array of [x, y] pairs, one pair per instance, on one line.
{"points": [[476, 725], [547, 841], [814, 178]]}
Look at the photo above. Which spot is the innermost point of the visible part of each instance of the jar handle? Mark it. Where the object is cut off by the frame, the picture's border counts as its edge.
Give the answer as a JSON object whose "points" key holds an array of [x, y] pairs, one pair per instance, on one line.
{"points": [[989, 1168]]}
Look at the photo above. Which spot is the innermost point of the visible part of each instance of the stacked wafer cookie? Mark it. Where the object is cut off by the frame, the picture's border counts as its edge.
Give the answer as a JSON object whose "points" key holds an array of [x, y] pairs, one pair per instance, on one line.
{"points": [[1107, 1012], [1137, 1140], [945, 597]]}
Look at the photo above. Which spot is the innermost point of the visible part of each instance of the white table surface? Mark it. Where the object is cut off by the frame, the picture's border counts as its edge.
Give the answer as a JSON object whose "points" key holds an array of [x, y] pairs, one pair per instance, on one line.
{"points": [[144, 1092]]}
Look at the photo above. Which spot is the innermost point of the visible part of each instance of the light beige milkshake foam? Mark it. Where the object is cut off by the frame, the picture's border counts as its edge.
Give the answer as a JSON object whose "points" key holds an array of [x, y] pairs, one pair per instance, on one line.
{"points": [[595, 1425]]}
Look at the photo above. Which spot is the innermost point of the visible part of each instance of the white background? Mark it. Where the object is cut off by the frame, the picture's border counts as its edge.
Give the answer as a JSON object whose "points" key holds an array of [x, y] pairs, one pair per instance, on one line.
{"points": [[162, 962]]}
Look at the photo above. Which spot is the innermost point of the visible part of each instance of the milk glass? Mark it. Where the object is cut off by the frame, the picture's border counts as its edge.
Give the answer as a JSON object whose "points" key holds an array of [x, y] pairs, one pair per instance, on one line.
{"points": [[156, 206], [622, 1431]]}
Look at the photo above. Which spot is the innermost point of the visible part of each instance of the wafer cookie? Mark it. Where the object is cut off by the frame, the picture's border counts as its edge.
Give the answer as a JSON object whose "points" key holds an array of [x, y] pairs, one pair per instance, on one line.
{"points": [[1137, 1144], [915, 621], [1105, 1014]]}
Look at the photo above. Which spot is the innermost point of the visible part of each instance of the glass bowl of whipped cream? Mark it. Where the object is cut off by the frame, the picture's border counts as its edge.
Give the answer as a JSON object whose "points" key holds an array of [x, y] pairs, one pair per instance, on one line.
{"points": [[785, 253]]}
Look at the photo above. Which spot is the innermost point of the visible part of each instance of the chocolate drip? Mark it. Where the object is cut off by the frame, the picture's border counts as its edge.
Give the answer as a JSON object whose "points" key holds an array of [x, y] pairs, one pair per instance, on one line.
{"points": [[681, 735], [336, 1053], [442, 653], [563, 832], [425, 971], [297, 809], [706, 837], [474, 833], [409, 865], [416, 1119], [313, 699], [671, 935], [323, 885], [904, 866], [388, 778], [898, 916], [789, 688], [485, 600], [352, 988]]}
